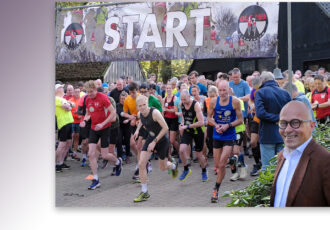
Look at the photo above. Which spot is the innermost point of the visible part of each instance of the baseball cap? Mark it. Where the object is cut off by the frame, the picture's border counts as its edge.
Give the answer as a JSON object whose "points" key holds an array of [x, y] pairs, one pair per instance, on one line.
{"points": [[105, 85], [58, 86]]}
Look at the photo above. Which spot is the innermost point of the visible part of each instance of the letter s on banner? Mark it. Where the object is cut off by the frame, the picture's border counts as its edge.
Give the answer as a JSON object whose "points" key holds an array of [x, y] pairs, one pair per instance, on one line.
{"points": [[112, 33]]}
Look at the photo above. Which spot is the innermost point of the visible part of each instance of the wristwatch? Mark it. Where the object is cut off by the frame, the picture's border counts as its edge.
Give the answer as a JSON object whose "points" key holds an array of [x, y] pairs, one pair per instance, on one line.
{"points": [[230, 125], [188, 126], [156, 140]]}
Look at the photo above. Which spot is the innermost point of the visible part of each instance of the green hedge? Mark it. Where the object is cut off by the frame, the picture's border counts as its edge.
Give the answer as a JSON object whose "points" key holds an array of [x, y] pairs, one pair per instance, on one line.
{"points": [[257, 194]]}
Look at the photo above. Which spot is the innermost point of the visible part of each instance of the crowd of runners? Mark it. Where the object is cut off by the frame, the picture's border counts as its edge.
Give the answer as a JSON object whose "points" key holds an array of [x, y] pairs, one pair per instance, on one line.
{"points": [[190, 119]]}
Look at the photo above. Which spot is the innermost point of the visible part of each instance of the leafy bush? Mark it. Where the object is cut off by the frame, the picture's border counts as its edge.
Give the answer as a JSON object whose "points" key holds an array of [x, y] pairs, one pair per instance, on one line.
{"points": [[322, 135], [257, 194]]}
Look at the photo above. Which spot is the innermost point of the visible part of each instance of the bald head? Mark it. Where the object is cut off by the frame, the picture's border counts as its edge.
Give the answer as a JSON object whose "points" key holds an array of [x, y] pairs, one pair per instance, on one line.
{"points": [[98, 83], [297, 108], [223, 88]]}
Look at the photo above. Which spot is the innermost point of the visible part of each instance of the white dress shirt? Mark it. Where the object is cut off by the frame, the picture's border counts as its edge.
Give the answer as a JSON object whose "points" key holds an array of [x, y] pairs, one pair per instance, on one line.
{"points": [[285, 175]]}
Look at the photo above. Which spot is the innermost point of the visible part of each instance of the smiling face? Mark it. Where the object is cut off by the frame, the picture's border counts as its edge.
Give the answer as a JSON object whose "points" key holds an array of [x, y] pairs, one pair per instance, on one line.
{"points": [[293, 138]]}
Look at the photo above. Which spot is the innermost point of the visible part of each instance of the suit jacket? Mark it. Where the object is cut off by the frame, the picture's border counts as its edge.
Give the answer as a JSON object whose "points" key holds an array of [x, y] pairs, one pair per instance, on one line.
{"points": [[310, 184]]}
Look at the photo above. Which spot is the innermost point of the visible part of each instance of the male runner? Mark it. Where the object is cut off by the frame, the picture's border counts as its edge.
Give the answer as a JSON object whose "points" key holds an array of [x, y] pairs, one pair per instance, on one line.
{"points": [[222, 114], [101, 112], [193, 129], [157, 139]]}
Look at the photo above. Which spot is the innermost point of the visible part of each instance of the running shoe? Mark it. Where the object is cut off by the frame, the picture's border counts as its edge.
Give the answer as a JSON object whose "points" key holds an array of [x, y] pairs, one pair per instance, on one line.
{"points": [[243, 173], [175, 171], [74, 156], [64, 166], [255, 170], [113, 171], [135, 176], [214, 198], [95, 184], [235, 177], [142, 197], [119, 167], [58, 168], [233, 161], [184, 175], [204, 177], [104, 164], [83, 162]]}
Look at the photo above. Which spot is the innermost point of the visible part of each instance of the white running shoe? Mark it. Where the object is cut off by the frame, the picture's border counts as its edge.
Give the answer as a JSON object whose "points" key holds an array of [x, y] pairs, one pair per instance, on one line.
{"points": [[234, 177], [243, 173]]}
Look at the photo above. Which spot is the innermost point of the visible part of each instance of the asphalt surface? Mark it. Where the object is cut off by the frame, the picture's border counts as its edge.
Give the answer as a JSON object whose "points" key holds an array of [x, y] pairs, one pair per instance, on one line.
{"points": [[72, 187]]}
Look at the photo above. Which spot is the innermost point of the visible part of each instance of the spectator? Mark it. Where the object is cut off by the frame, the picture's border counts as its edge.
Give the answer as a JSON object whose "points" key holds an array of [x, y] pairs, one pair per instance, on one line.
{"points": [[269, 100], [299, 96], [321, 99], [302, 175]]}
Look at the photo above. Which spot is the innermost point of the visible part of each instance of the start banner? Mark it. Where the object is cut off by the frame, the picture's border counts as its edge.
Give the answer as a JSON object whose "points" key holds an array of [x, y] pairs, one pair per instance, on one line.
{"points": [[167, 31]]}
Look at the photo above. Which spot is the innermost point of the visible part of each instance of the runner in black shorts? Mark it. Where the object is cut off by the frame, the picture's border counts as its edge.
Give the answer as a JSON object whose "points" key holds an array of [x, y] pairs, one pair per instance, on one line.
{"points": [[64, 120], [96, 106], [65, 133], [157, 138], [224, 114], [193, 129]]}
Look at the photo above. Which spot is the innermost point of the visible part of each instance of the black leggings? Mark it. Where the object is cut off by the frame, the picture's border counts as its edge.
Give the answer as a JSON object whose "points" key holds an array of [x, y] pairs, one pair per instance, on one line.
{"points": [[124, 136], [209, 139]]}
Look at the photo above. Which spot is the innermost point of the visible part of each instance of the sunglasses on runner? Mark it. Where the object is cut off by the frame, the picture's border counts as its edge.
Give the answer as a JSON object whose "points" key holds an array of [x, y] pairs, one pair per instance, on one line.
{"points": [[294, 123]]}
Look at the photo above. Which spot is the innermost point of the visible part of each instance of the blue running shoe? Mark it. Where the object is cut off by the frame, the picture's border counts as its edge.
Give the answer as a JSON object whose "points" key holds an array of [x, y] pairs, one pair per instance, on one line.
{"points": [[204, 177], [118, 167], [83, 162], [95, 184], [184, 175]]}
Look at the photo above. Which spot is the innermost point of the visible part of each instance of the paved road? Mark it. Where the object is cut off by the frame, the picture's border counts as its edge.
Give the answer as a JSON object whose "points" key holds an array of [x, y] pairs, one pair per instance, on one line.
{"points": [[71, 187]]}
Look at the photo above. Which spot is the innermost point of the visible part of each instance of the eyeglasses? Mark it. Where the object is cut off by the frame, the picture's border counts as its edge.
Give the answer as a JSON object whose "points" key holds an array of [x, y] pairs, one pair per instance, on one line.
{"points": [[294, 123], [143, 91]]}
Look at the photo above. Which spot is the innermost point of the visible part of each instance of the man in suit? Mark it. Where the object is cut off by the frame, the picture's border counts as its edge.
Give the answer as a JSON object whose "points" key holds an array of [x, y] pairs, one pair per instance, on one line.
{"points": [[302, 176]]}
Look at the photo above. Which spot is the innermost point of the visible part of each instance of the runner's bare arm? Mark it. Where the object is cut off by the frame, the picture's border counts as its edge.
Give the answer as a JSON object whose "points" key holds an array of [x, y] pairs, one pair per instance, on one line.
{"points": [[210, 113], [138, 127]]}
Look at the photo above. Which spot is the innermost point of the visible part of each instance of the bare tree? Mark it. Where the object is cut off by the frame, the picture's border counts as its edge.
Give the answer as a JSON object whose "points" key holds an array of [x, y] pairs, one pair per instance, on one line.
{"points": [[226, 21]]}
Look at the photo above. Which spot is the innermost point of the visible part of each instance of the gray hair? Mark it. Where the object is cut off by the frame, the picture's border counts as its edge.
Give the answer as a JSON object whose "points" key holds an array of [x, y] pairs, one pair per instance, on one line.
{"points": [[256, 82], [213, 89], [174, 79], [287, 85], [201, 77], [185, 92], [267, 76]]}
